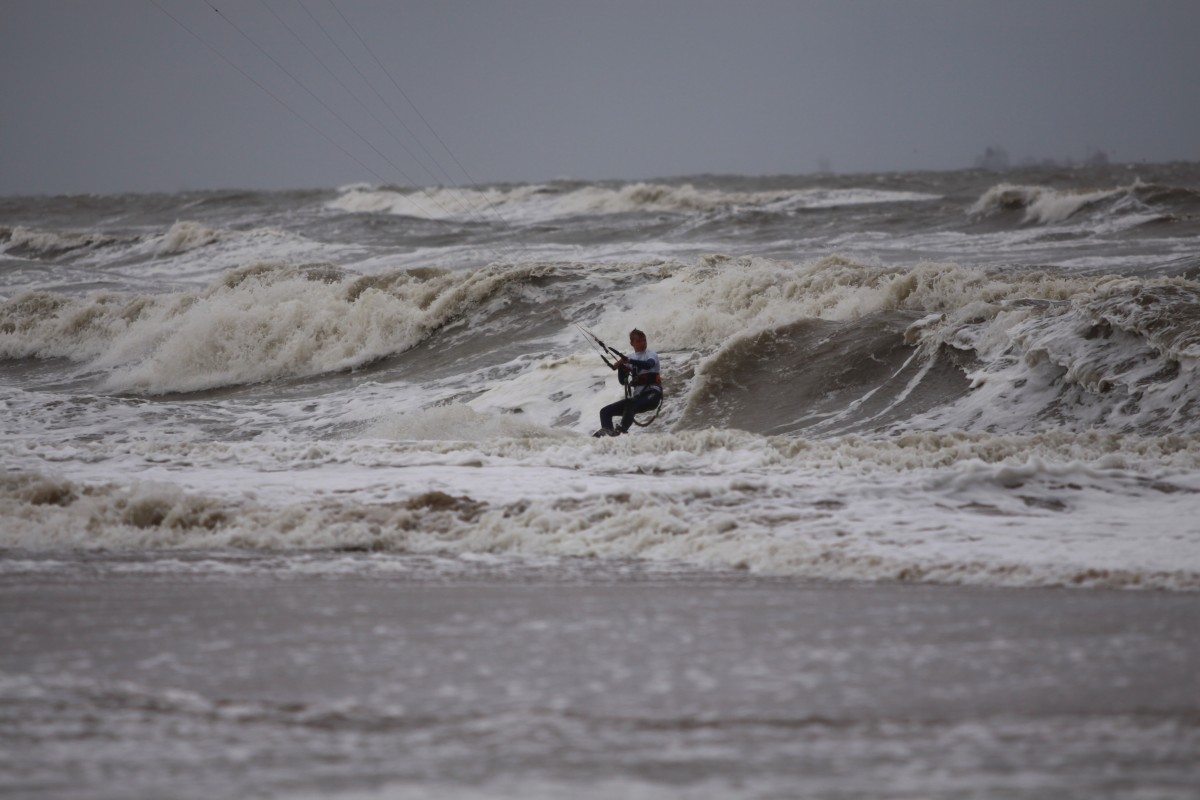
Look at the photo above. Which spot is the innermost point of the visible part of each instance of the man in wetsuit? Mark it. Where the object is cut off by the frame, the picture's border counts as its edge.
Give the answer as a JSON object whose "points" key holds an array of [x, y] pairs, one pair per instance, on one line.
{"points": [[639, 372]]}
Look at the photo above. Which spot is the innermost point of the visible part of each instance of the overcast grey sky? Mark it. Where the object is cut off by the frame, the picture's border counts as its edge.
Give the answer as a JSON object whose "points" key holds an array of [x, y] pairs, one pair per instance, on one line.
{"points": [[114, 95]]}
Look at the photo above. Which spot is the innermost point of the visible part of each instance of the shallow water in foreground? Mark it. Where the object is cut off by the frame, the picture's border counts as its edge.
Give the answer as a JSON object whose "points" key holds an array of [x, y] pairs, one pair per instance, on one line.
{"points": [[498, 679]]}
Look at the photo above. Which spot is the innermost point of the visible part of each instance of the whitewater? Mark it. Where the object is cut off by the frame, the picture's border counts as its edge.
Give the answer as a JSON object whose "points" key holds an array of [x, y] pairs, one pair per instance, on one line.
{"points": [[999, 390], [912, 381]]}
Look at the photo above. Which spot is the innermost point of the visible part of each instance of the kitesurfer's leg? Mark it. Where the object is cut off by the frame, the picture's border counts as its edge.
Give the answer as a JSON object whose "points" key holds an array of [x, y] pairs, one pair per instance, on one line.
{"points": [[636, 405], [609, 411]]}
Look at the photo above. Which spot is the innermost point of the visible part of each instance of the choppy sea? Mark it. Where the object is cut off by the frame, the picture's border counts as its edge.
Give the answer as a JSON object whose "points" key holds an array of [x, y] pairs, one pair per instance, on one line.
{"points": [[943, 378]]}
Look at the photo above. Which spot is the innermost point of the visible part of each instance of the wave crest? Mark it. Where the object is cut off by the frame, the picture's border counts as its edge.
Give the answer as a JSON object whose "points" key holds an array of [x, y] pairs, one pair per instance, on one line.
{"points": [[554, 201], [253, 324], [1134, 204], [29, 242]]}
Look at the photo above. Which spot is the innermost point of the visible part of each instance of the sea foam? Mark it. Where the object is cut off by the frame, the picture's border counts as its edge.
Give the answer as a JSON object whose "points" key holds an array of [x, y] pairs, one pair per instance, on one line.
{"points": [[254, 324], [1024, 523], [546, 202], [1041, 205]]}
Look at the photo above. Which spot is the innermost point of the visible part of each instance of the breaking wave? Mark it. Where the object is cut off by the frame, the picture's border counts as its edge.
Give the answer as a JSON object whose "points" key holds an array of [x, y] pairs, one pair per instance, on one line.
{"points": [[553, 201], [1134, 204], [31, 243], [254, 324], [182, 237], [820, 348], [835, 347]]}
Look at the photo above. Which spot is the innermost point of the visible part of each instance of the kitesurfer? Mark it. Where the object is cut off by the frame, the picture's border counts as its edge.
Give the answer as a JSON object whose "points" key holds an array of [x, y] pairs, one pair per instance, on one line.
{"points": [[639, 374]]}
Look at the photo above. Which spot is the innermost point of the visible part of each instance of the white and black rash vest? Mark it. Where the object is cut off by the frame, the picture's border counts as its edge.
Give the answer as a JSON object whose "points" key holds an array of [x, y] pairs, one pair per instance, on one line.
{"points": [[642, 373]]}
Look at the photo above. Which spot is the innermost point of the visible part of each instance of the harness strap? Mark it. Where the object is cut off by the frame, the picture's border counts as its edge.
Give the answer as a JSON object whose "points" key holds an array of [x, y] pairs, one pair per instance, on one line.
{"points": [[654, 388]]}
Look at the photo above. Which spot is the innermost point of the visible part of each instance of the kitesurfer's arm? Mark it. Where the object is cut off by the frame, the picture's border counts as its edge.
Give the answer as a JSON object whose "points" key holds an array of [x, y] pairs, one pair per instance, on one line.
{"points": [[637, 372], [624, 371]]}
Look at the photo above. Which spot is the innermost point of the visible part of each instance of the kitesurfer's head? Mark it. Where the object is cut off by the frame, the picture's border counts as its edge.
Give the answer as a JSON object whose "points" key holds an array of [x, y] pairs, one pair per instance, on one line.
{"points": [[637, 340]]}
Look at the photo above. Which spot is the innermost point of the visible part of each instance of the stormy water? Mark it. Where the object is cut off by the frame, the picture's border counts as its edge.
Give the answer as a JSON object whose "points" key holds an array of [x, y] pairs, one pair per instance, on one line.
{"points": [[376, 403]]}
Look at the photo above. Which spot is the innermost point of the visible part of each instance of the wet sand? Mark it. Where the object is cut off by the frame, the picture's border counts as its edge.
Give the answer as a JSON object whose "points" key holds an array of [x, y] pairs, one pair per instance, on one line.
{"points": [[492, 683]]}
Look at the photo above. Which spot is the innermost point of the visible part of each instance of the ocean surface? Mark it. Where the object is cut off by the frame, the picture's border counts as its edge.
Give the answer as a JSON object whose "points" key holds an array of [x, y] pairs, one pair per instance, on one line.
{"points": [[947, 379]]}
